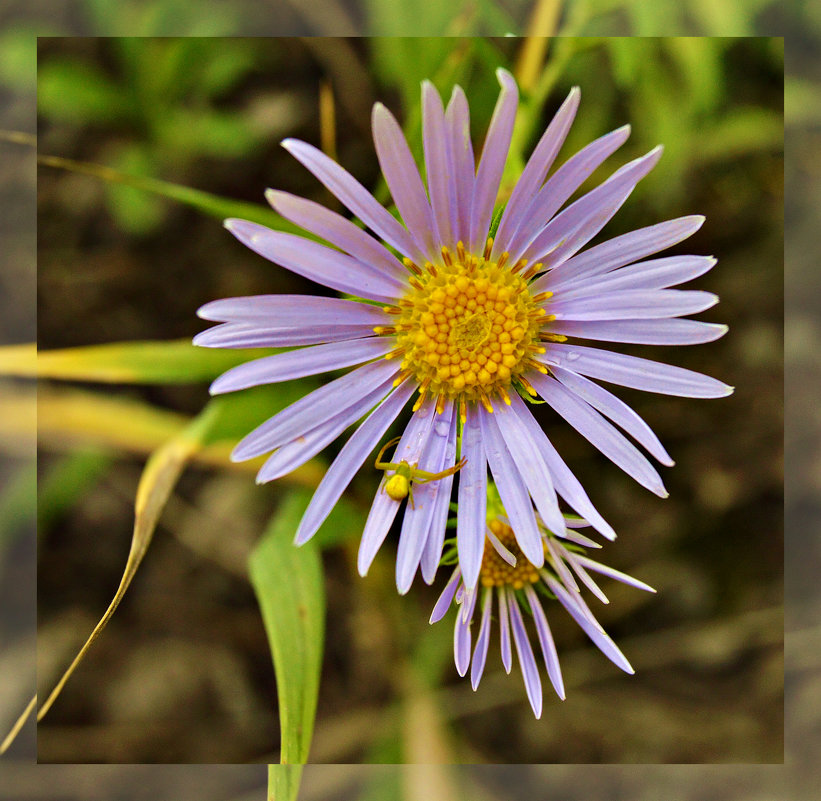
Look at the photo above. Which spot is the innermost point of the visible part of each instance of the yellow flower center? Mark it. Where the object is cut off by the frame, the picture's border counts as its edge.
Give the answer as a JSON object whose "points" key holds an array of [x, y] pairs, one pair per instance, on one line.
{"points": [[468, 326], [495, 571]]}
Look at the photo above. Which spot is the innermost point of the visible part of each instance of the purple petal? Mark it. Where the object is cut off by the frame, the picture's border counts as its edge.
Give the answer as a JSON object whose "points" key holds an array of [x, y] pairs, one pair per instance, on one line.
{"points": [[492, 163], [567, 179], [482, 641], [355, 197], [653, 274], [530, 672], [512, 490], [446, 598], [567, 485], [317, 262], [313, 409], [672, 331], [287, 311], [418, 517], [438, 166], [601, 640], [242, 335], [570, 558], [531, 465], [558, 565], [551, 658], [295, 453], [337, 230], [633, 304], [300, 363], [581, 221], [614, 408], [619, 251], [383, 511], [504, 631], [635, 372], [591, 425], [534, 173], [470, 522], [402, 177], [350, 459], [436, 533], [460, 154], [612, 573], [461, 644]]}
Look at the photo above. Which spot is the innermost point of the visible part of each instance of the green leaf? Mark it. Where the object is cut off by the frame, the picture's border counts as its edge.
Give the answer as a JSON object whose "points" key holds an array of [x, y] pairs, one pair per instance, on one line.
{"points": [[283, 782], [288, 582]]}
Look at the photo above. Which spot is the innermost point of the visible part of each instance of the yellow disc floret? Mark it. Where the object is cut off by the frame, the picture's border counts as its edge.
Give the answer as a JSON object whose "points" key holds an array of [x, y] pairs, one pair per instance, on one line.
{"points": [[467, 327], [495, 571]]}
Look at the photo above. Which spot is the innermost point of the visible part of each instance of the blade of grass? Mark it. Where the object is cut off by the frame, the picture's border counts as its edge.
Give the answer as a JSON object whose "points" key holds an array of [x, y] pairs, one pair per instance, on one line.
{"points": [[158, 479], [140, 362]]}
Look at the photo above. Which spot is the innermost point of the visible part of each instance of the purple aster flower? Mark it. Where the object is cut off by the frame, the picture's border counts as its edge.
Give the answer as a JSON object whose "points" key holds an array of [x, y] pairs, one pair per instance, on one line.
{"points": [[475, 321], [509, 584]]}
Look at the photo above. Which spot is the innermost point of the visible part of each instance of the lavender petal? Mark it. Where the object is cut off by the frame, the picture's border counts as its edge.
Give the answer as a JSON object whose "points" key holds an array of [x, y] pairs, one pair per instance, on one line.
{"points": [[470, 525], [530, 672]]}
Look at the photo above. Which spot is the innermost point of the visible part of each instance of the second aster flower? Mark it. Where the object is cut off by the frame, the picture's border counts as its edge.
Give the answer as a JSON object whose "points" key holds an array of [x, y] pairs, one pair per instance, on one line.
{"points": [[472, 322]]}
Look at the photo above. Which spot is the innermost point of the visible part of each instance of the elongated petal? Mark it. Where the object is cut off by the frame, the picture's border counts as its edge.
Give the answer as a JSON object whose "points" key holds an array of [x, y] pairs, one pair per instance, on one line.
{"points": [[350, 459], [672, 331], [243, 335], [317, 262], [635, 372], [597, 635], [337, 230], [530, 672], [512, 490], [634, 304], [354, 196], [438, 166], [620, 250], [461, 644], [417, 521], [570, 558], [614, 408], [446, 598], [551, 658], [297, 452], [613, 573], [567, 179], [470, 525], [436, 533], [482, 641], [300, 363], [591, 425], [557, 562], [652, 274], [293, 311], [492, 163], [384, 508], [313, 409], [460, 154], [582, 220], [530, 464], [567, 485], [504, 631], [534, 173], [402, 177]]}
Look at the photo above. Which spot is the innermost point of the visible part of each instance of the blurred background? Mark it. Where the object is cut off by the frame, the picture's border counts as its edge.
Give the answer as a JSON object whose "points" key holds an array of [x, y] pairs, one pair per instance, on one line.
{"points": [[183, 672]]}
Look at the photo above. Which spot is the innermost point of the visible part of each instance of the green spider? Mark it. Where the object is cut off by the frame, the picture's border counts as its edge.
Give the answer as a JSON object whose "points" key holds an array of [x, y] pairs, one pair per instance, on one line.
{"points": [[400, 484]]}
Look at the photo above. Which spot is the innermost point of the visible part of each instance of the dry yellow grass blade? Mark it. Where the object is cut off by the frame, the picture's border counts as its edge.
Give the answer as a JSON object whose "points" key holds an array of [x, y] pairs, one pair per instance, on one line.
{"points": [[15, 729], [70, 418], [156, 483], [427, 749], [542, 26]]}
